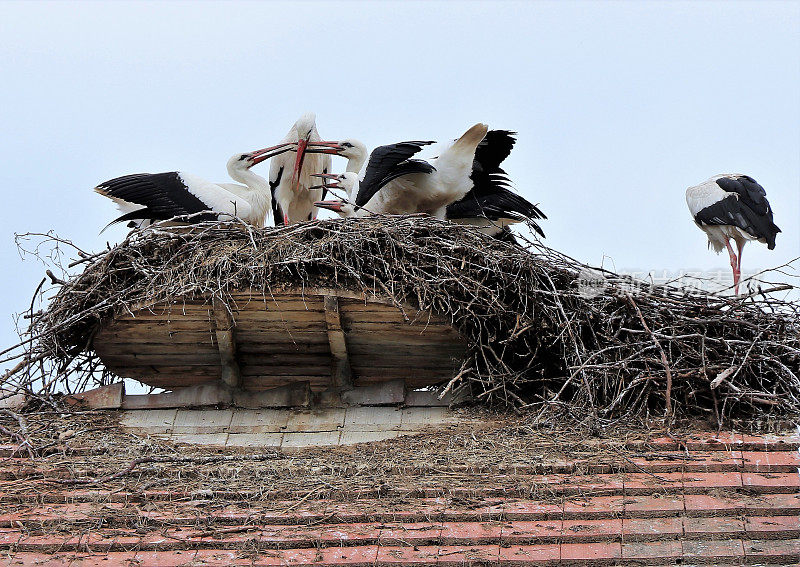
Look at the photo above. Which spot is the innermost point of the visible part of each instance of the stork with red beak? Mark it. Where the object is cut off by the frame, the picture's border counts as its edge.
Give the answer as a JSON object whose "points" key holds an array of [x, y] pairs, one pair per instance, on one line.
{"points": [[291, 174], [181, 197]]}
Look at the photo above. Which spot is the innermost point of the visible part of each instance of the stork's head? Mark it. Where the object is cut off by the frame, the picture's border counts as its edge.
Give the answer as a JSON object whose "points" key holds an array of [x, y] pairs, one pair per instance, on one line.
{"points": [[243, 162], [349, 148], [347, 181], [305, 125]]}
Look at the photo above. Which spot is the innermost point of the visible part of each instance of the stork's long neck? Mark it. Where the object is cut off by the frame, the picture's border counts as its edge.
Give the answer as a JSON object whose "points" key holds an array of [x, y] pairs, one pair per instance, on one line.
{"points": [[355, 163], [259, 196], [254, 182]]}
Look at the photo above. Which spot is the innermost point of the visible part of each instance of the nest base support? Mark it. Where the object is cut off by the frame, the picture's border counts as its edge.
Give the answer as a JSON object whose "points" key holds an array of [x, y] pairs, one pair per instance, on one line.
{"points": [[212, 394]]}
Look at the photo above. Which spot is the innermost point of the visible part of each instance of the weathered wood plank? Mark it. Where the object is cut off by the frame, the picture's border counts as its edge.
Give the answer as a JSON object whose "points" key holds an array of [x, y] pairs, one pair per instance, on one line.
{"points": [[260, 384], [172, 381], [259, 336], [164, 370], [321, 360], [282, 348], [341, 374], [224, 327], [130, 348], [293, 318], [132, 325], [179, 337], [286, 370], [149, 359]]}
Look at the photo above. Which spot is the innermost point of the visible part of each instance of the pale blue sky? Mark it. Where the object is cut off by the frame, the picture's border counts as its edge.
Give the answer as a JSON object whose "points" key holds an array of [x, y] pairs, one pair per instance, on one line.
{"points": [[619, 106]]}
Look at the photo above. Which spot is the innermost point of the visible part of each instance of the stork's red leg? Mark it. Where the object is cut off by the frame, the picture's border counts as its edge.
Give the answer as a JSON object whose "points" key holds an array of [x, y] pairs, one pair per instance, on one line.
{"points": [[734, 266], [740, 246]]}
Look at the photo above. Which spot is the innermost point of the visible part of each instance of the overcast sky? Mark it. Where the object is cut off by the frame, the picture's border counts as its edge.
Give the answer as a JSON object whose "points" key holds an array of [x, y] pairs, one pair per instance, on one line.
{"points": [[619, 107]]}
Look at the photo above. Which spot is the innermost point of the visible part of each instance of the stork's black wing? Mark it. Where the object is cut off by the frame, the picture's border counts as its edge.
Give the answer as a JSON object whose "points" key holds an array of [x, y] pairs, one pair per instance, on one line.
{"points": [[750, 193], [491, 196], [495, 147], [163, 196], [487, 175], [502, 204], [277, 215], [745, 207], [387, 163]]}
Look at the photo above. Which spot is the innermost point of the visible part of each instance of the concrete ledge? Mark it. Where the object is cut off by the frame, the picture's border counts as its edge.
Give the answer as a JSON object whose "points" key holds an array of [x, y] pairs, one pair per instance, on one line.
{"points": [[385, 393], [286, 428], [212, 394], [104, 397]]}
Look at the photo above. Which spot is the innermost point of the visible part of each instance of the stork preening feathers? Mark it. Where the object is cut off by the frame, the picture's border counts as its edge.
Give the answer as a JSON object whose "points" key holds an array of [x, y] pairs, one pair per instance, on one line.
{"points": [[732, 206], [144, 198], [395, 183]]}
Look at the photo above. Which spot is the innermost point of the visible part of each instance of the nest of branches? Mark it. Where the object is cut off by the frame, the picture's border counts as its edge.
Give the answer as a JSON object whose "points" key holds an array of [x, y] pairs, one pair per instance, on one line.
{"points": [[546, 333]]}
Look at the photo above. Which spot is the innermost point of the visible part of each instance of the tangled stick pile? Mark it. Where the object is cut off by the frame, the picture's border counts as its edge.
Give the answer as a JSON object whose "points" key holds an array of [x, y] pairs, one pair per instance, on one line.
{"points": [[537, 340]]}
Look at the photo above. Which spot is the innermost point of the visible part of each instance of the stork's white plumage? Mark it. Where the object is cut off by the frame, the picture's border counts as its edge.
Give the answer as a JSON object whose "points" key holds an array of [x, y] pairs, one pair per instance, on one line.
{"points": [[732, 206], [291, 174], [490, 204], [144, 198], [394, 183]]}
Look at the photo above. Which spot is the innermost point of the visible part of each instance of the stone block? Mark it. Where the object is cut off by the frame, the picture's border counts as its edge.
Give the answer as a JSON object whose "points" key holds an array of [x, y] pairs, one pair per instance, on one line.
{"points": [[331, 419], [310, 439], [352, 437], [202, 421], [259, 421], [149, 421], [373, 418], [272, 440], [419, 418]]}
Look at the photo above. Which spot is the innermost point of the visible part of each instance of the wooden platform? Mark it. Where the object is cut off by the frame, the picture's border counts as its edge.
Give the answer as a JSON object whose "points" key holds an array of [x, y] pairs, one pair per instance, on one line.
{"points": [[330, 339]]}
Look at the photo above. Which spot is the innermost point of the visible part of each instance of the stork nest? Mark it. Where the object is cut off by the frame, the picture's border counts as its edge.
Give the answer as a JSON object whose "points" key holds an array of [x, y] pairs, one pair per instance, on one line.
{"points": [[541, 338]]}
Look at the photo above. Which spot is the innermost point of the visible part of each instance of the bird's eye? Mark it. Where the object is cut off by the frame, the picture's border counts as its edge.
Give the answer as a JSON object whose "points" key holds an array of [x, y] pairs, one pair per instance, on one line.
{"points": [[347, 145], [244, 156]]}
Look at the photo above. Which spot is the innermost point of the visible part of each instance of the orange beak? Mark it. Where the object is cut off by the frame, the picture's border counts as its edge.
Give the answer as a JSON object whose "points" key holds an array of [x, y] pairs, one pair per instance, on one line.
{"points": [[267, 153], [324, 148], [298, 163], [335, 206]]}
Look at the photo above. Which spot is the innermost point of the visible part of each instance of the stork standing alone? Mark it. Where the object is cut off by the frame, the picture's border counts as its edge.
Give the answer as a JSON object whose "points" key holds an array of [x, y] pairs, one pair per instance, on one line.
{"points": [[394, 183], [291, 175], [732, 206], [144, 198]]}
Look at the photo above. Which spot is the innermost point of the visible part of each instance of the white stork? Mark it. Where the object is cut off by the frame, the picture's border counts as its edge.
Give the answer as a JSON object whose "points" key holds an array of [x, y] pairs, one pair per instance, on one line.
{"points": [[394, 183], [732, 206], [290, 175], [145, 198], [489, 205]]}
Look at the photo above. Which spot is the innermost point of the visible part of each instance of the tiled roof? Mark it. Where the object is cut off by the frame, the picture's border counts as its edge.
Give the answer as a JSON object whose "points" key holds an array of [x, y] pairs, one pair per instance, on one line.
{"points": [[719, 499]]}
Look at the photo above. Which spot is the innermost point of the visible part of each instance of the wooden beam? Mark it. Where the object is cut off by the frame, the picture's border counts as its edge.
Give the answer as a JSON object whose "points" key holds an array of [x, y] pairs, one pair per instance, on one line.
{"points": [[341, 373], [224, 326]]}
